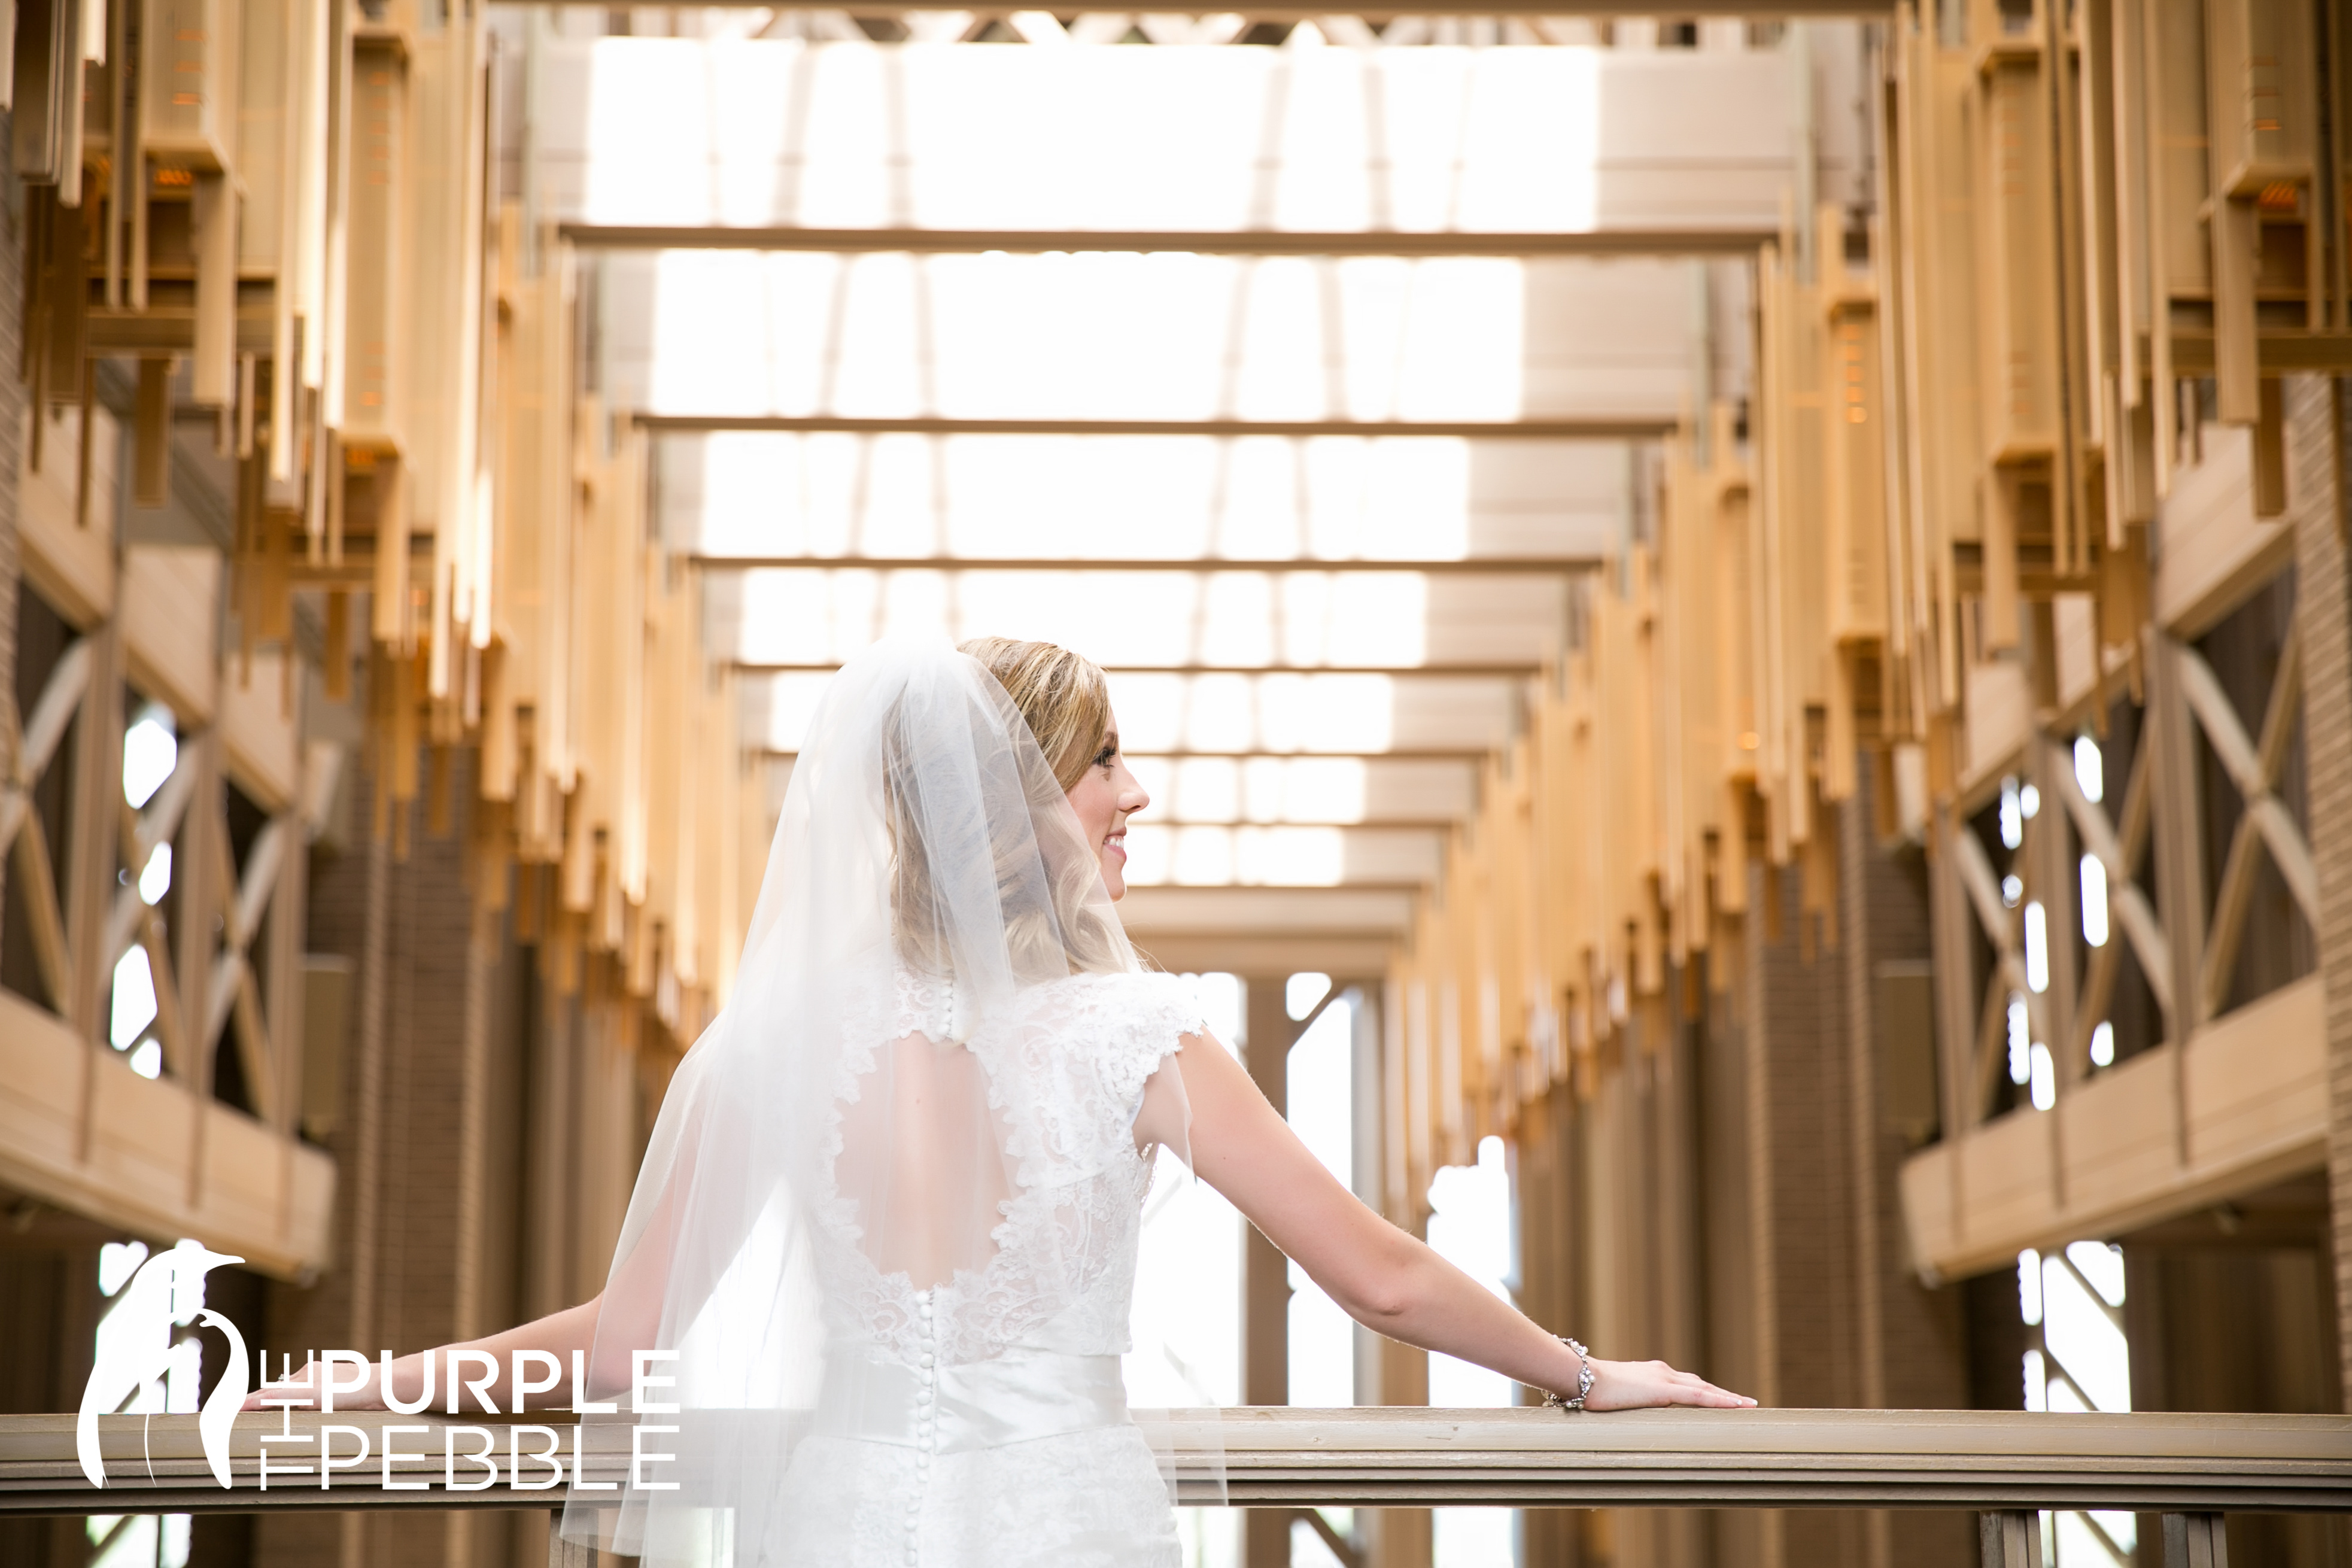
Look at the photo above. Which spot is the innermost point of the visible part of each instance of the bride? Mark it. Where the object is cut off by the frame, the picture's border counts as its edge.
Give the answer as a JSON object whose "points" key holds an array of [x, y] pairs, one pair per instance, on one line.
{"points": [[883, 1242]]}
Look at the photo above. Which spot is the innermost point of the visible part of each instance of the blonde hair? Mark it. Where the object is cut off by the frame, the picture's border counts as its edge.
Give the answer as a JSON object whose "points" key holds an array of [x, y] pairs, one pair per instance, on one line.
{"points": [[1065, 703], [1062, 696]]}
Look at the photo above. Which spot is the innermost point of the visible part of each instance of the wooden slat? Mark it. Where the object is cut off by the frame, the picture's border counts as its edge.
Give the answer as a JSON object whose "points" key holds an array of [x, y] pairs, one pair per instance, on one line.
{"points": [[1290, 11], [53, 713], [1478, 566], [1595, 427], [2128, 906], [36, 877], [2219, 719], [1518, 669], [1735, 240]]}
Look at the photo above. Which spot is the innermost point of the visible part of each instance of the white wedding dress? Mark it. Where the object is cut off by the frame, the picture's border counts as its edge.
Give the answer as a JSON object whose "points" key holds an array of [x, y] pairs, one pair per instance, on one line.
{"points": [[867, 1305], [981, 1422]]}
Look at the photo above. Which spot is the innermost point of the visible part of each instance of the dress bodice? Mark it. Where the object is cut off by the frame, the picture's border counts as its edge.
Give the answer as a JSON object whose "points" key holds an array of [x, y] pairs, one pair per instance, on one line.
{"points": [[1066, 1064]]}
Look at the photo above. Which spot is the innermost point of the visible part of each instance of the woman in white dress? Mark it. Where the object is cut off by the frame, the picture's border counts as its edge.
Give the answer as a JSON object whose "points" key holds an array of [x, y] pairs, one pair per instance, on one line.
{"points": [[884, 1241]]}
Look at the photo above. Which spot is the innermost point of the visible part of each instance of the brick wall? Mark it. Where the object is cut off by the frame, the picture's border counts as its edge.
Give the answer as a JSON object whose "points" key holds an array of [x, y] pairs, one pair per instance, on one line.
{"points": [[1801, 1202], [1909, 1344], [415, 1151], [11, 418], [2319, 434]]}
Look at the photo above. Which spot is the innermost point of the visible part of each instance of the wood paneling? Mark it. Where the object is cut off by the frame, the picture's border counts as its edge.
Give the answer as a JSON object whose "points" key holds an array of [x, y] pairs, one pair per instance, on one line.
{"points": [[259, 730], [65, 530], [2215, 548], [149, 1156], [170, 619], [2253, 1089]]}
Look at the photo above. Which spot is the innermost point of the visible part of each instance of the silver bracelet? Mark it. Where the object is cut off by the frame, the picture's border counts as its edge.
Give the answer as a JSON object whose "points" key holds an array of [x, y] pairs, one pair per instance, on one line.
{"points": [[1584, 1379]]}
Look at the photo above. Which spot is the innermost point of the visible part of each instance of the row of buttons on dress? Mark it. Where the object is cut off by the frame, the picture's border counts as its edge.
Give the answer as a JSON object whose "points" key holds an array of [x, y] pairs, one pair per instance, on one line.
{"points": [[926, 1402]]}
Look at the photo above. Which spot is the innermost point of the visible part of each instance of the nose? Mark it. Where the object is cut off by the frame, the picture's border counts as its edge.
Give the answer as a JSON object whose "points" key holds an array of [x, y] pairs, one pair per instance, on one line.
{"points": [[1133, 799]]}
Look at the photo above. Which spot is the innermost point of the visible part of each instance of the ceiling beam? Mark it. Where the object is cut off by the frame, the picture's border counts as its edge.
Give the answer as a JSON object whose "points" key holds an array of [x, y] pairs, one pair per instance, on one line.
{"points": [[1516, 669], [1401, 754], [1729, 241], [1281, 954], [1473, 566], [1153, 818], [1229, 911], [1593, 427], [1293, 11]]}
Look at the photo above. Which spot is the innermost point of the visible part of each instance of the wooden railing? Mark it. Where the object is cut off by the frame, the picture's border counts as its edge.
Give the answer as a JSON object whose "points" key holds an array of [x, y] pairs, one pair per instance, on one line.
{"points": [[2003, 1465]]}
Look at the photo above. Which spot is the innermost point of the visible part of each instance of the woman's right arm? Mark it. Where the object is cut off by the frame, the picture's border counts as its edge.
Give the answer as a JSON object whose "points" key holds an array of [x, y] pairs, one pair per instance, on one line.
{"points": [[607, 1329], [1390, 1282], [558, 1334]]}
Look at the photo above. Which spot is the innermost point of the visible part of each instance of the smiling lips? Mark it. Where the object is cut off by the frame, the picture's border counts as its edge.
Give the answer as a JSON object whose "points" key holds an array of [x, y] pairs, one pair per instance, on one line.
{"points": [[1116, 841]]}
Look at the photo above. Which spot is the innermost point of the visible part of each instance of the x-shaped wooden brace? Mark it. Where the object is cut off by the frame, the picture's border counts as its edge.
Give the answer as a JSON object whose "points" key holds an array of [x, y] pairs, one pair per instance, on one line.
{"points": [[130, 920], [1983, 889], [2117, 846], [233, 987], [30, 750], [2255, 769], [230, 989]]}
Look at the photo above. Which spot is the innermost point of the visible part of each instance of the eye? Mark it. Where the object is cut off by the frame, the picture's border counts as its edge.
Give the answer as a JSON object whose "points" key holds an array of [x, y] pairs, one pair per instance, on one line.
{"points": [[1108, 754]]}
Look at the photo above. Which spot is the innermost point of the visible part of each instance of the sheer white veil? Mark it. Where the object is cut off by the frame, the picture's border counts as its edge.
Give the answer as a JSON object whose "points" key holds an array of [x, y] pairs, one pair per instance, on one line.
{"points": [[924, 851]]}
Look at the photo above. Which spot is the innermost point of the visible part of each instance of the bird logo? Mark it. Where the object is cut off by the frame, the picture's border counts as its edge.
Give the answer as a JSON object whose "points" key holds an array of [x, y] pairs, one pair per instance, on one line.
{"points": [[134, 1345]]}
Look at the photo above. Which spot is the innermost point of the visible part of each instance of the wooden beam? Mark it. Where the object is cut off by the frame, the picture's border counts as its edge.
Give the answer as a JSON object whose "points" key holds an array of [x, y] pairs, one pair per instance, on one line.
{"points": [[1730, 241], [1473, 566], [1591, 428], [1401, 754], [1292, 12], [1512, 669]]}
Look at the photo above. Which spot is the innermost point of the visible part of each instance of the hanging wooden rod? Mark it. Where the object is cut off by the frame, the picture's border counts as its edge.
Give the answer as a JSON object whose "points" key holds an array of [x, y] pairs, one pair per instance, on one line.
{"points": [[1473, 566], [1728, 240], [1615, 427]]}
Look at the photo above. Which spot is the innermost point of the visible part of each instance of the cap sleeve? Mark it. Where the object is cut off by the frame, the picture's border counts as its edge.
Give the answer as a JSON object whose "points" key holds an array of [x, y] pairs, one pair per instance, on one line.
{"points": [[1070, 1070], [1155, 1014]]}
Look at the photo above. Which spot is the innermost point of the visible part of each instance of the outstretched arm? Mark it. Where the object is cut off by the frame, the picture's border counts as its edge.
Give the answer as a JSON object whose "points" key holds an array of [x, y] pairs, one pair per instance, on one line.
{"points": [[630, 1325], [559, 1334], [1384, 1279]]}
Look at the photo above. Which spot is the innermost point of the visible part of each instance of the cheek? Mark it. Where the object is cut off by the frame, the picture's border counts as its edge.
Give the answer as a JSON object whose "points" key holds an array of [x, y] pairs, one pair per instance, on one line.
{"points": [[1089, 800]]}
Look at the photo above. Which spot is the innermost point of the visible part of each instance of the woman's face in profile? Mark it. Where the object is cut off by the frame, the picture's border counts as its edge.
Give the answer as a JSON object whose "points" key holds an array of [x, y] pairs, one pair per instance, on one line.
{"points": [[1105, 796]]}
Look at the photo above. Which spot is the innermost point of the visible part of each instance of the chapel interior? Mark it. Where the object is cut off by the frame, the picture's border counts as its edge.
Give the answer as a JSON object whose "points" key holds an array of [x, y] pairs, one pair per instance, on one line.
{"points": [[1738, 625]]}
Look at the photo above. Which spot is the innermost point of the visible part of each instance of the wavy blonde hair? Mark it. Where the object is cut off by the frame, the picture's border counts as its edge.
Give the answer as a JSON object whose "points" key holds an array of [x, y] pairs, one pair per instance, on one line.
{"points": [[1062, 696], [1065, 700]]}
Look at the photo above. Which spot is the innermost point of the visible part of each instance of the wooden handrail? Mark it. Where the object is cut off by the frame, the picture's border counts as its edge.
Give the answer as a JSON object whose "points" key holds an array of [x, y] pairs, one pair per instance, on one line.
{"points": [[1391, 1457]]}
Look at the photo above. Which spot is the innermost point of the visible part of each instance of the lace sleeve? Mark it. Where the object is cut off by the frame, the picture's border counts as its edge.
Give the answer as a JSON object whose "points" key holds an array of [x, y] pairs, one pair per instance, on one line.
{"points": [[1160, 1011], [1082, 1050]]}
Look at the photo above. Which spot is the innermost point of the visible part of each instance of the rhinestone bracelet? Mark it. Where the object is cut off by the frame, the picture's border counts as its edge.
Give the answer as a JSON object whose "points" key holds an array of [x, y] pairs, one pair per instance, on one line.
{"points": [[1584, 1379]]}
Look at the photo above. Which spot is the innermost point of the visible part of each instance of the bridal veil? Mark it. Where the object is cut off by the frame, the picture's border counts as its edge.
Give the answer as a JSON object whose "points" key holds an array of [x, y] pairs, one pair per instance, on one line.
{"points": [[887, 1220]]}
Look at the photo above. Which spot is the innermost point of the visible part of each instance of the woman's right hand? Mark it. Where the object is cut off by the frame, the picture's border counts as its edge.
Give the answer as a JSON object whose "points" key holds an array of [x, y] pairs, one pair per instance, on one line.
{"points": [[1639, 1384], [301, 1392]]}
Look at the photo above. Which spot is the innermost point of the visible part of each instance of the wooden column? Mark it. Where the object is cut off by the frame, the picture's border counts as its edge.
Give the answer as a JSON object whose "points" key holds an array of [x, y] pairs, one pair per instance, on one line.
{"points": [[1267, 1033]]}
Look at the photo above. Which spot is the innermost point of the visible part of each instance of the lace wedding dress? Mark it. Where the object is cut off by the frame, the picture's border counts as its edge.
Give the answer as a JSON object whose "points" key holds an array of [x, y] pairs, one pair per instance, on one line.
{"points": [[982, 1421], [867, 1304]]}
